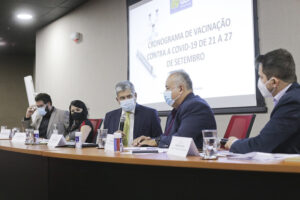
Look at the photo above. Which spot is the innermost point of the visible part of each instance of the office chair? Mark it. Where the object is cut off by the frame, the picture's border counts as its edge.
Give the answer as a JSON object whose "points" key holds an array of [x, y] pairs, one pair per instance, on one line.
{"points": [[96, 125], [239, 126]]}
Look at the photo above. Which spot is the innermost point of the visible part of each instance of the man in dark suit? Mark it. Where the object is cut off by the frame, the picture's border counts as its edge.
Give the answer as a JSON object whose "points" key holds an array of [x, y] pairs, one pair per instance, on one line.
{"points": [[277, 79], [137, 119], [190, 114]]}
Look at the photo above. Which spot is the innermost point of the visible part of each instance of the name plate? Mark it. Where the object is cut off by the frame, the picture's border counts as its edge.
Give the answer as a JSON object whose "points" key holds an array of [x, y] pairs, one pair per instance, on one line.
{"points": [[109, 145], [5, 134], [56, 140], [182, 147], [19, 138]]}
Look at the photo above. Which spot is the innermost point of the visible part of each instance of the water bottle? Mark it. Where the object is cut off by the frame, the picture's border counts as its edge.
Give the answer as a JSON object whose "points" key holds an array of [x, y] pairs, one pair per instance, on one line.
{"points": [[78, 140], [36, 136], [118, 144]]}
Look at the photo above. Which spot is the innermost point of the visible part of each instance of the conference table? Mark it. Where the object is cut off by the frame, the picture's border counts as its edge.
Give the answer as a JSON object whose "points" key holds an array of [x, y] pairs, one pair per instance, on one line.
{"points": [[40, 172]]}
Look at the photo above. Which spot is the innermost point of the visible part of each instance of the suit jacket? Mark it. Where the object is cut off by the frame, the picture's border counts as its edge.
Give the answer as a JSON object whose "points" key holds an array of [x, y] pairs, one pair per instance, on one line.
{"points": [[146, 121], [282, 133], [58, 117], [192, 116]]}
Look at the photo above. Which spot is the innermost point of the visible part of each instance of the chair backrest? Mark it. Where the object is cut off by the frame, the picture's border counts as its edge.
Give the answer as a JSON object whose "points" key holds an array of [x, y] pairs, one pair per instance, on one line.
{"points": [[240, 126], [96, 125]]}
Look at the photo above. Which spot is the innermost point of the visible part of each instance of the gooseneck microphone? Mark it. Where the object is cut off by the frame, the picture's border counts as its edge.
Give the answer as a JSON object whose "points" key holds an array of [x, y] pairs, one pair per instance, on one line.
{"points": [[122, 120]]}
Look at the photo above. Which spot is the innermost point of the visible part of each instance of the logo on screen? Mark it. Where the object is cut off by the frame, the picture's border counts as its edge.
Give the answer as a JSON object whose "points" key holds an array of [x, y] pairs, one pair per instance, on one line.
{"points": [[178, 5]]}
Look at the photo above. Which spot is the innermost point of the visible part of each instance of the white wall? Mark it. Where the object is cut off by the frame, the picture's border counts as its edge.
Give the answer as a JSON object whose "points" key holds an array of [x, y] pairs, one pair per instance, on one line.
{"points": [[89, 70]]}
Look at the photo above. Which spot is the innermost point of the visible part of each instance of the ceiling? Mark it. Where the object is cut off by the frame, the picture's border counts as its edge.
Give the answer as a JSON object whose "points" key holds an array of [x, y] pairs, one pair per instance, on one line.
{"points": [[19, 36]]}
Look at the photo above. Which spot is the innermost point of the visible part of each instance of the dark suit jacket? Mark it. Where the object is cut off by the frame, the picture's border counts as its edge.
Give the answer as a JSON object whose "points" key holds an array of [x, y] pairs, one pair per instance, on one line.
{"points": [[282, 133], [192, 116], [146, 121]]}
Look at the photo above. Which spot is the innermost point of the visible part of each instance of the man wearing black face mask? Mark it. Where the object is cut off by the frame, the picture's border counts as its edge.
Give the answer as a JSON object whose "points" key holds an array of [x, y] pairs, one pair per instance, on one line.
{"points": [[278, 80], [48, 117]]}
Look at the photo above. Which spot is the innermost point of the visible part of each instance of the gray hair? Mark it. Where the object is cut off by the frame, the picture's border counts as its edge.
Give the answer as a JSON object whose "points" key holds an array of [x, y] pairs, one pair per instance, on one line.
{"points": [[182, 77], [124, 85]]}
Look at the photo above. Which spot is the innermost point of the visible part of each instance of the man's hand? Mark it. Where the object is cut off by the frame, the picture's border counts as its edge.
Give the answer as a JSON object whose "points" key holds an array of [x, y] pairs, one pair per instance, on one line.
{"points": [[150, 142], [140, 139], [30, 111], [230, 141]]}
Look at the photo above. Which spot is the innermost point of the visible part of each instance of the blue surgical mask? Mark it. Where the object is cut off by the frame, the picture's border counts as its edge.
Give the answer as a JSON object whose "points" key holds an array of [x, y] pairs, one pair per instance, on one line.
{"points": [[42, 111], [168, 97], [128, 105]]}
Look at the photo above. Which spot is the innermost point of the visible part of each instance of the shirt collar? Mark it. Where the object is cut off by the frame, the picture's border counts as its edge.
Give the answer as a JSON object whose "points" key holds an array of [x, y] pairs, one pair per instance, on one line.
{"points": [[280, 94], [131, 112]]}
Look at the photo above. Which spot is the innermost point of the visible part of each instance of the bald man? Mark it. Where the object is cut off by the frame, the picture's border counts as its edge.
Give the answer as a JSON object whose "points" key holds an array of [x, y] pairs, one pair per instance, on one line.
{"points": [[190, 115]]}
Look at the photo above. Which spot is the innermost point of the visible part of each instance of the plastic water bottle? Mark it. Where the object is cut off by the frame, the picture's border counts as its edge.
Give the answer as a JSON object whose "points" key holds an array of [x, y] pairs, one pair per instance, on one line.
{"points": [[78, 140], [36, 137], [118, 143], [55, 131]]}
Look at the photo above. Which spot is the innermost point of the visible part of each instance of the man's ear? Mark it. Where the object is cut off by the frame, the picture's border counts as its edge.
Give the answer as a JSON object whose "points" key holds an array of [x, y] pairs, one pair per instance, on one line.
{"points": [[275, 81], [135, 94], [180, 88]]}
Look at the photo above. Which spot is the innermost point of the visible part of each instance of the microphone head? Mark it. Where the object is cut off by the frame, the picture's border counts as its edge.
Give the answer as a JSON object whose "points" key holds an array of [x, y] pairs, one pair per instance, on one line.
{"points": [[123, 117]]}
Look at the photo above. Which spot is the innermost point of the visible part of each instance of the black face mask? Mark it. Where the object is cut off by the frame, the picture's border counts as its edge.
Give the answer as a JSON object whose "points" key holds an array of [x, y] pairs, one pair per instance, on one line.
{"points": [[77, 116]]}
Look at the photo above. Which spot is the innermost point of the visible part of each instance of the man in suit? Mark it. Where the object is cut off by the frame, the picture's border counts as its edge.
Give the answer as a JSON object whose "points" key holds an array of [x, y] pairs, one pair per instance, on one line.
{"points": [[277, 79], [190, 115], [137, 119], [48, 117]]}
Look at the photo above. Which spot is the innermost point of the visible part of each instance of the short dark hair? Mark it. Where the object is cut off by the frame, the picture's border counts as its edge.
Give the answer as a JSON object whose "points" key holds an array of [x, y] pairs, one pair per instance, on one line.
{"points": [[278, 63], [43, 97]]}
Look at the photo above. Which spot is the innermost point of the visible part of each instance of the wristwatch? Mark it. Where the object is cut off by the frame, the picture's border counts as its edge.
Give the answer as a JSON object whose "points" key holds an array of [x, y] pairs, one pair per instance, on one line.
{"points": [[157, 140]]}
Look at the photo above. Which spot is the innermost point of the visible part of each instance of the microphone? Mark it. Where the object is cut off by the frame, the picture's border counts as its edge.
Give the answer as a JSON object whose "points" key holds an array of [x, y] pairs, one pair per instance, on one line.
{"points": [[122, 120]]}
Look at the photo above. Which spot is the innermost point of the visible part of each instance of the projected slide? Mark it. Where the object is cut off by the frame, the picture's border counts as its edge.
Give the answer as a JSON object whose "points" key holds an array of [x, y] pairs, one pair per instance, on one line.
{"points": [[212, 40]]}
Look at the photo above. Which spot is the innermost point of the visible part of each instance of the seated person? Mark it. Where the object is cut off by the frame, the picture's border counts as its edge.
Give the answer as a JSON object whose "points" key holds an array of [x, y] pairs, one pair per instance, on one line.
{"points": [[78, 122], [48, 117], [190, 115], [277, 79], [138, 120]]}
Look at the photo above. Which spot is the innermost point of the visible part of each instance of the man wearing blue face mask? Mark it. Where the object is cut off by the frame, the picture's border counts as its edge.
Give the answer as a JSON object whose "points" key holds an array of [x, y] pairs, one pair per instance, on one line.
{"points": [[277, 79], [48, 117], [132, 119], [190, 115]]}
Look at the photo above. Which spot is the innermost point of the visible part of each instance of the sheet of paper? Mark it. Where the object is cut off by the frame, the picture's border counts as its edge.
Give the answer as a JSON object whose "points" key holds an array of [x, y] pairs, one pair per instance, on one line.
{"points": [[259, 156]]}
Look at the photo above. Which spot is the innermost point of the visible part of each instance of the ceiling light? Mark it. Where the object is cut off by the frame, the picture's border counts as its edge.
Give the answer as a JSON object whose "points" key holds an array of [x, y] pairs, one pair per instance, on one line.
{"points": [[2, 43], [24, 16]]}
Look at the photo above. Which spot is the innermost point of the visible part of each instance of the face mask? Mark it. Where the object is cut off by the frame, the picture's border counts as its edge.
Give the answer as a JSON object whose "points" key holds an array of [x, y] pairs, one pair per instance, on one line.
{"points": [[168, 97], [263, 89], [42, 111], [128, 104], [77, 116]]}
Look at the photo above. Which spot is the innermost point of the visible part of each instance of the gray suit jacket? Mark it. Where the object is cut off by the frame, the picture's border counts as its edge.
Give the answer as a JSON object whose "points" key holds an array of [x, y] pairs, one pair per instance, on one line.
{"points": [[58, 117]]}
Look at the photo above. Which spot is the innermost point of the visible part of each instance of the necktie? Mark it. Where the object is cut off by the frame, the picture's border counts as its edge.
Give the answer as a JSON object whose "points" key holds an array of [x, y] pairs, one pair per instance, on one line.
{"points": [[126, 129]]}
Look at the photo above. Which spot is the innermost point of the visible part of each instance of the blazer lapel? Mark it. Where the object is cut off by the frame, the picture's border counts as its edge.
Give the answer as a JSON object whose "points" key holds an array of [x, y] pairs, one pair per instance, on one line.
{"points": [[117, 121], [137, 121], [51, 120]]}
